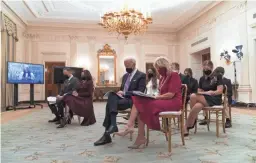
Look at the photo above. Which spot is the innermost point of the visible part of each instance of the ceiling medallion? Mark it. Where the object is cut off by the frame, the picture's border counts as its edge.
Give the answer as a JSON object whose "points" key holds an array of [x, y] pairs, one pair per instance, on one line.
{"points": [[126, 22]]}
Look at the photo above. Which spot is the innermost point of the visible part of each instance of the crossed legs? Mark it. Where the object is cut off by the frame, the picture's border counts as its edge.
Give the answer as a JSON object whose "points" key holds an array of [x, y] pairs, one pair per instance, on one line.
{"points": [[197, 102]]}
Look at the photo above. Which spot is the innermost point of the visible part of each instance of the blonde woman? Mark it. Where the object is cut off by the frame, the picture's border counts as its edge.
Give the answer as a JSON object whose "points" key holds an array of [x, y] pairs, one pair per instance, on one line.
{"points": [[148, 109]]}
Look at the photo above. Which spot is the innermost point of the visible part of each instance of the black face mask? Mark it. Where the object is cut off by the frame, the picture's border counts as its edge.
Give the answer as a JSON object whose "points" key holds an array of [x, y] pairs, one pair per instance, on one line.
{"points": [[150, 75], [66, 76], [129, 70], [187, 75], [84, 77], [207, 72]]}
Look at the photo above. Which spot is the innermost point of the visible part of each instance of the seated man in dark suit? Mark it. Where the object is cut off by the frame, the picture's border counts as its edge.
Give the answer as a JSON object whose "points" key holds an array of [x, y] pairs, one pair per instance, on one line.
{"points": [[69, 86], [176, 68], [133, 80]]}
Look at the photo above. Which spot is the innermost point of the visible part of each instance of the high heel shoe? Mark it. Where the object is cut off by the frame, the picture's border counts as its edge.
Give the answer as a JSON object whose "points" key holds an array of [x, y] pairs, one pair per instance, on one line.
{"points": [[188, 128], [138, 146], [125, 132]]}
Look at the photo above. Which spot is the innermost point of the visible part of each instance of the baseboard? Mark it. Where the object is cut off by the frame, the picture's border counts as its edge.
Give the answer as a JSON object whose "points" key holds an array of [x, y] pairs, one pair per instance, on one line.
{"points": [[38, 101]]}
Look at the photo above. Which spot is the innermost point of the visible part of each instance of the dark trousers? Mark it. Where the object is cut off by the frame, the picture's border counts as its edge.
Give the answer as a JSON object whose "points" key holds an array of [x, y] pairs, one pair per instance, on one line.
{"points": [[58, 108], [115, 103]]}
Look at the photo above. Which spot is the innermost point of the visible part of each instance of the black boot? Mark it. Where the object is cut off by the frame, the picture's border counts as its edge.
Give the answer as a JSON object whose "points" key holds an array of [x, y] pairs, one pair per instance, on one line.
{"points": [[63, 123], [228, 123], [105, 139], [203, 122], [54, 120]]}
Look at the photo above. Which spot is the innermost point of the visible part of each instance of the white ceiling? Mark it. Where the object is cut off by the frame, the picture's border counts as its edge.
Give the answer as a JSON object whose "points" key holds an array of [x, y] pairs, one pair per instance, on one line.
{"points": [[171, 14]]}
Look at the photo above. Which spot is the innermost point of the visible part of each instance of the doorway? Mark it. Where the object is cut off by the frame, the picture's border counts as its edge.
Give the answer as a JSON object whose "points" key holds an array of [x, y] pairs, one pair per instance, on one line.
{"points": [[51, 89], [197, 60]]}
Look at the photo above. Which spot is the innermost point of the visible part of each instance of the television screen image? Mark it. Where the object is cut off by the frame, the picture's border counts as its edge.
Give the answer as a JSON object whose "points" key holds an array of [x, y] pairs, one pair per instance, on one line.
{"points": [[58, 76], [25, 73]]}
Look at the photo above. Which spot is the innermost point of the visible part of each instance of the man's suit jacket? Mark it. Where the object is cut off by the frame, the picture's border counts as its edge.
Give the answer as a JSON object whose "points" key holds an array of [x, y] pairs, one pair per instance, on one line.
{"points": [[69, 86], [138, 82], [227, 82]]}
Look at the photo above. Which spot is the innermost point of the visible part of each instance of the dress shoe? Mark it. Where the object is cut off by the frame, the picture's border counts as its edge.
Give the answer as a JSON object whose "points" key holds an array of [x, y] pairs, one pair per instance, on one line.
{"points": [[112, 129], [203, 122], [54, 120], [57, 122], [105, 139], [228, 124], [63, 123]]}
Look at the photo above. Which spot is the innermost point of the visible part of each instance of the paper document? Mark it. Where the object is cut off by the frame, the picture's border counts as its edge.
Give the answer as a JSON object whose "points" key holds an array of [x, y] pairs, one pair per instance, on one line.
{"points": [[107, 94], [138, 93]]}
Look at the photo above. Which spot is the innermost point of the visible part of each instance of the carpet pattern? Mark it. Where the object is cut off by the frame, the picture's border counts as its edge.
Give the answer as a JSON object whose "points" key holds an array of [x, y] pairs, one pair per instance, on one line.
{"points": [[32, 139]]}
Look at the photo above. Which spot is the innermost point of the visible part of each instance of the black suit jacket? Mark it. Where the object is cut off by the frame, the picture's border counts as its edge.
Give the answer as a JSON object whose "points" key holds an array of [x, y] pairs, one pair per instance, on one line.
{"points": [[69, 86], [138, 83], [227, 82]]}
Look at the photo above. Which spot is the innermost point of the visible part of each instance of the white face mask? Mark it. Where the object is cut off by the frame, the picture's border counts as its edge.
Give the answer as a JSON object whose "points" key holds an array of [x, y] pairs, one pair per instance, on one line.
{"points": [[175, 71]]}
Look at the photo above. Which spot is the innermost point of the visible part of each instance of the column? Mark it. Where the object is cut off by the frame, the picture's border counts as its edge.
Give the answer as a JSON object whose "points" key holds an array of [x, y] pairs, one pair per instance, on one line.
{"points": [[140, 62], [73, 50], [244, 89], [119, 61], [93, 59]]}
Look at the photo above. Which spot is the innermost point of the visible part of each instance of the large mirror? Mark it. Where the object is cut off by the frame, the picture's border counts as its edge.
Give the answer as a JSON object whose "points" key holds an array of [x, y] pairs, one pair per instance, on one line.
{"points": [[106, 66]]}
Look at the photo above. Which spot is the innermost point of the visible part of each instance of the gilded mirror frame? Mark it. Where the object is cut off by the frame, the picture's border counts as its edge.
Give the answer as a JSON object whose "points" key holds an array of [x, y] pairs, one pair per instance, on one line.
{"points": [[106, 51]]}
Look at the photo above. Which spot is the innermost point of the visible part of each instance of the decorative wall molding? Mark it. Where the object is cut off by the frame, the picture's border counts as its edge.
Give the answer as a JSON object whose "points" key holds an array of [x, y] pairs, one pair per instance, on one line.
{"points": [[9, 26], [242, 6], [31, 36], [211, 23], [73, 38], [53, 53]]}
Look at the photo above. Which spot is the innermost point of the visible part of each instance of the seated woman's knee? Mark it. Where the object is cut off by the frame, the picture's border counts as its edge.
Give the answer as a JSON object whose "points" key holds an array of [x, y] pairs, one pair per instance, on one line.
{"points": [[193, 96]]}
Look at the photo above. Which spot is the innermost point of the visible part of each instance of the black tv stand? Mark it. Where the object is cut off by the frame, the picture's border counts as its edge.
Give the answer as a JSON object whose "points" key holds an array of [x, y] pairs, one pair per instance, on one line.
{"points": [[32, 103]]}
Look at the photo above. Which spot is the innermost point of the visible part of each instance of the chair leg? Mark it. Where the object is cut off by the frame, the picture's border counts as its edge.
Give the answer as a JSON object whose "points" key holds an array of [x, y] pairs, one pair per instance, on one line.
{"points": [[208, 118], [178, 122], [196, 126], [230, 114], [170, 135], [223, 121], [165, 128], [173, 121], [147, 136], [79, 119], [217, 123], [182, 129], [131, 136]]}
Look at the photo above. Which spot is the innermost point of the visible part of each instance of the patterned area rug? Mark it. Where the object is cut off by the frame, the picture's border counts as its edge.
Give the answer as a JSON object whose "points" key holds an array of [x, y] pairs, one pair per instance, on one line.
{"points": [[32, 139]]}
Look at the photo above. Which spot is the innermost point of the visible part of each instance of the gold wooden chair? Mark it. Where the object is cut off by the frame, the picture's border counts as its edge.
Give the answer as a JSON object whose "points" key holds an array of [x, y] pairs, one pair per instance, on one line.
{"points": [[166, 121], [219, 110]]}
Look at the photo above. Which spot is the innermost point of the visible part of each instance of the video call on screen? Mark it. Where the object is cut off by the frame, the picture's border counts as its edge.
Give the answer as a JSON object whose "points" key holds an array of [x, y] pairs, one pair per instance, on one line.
{"points": [[24, 73]]}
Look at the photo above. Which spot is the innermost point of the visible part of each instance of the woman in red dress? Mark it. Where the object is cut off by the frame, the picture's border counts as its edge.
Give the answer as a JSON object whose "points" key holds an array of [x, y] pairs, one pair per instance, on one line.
{"points": [[148, 109]]}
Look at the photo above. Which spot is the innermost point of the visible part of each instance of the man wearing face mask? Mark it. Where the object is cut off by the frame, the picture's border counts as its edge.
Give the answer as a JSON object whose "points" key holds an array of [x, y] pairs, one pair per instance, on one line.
{"points": [[133, 80], [176, 68], [69, 86]]}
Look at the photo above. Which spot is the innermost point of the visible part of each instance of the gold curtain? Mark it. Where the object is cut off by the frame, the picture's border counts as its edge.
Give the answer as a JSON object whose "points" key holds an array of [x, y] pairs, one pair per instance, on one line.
{"points": [[9, 39]]}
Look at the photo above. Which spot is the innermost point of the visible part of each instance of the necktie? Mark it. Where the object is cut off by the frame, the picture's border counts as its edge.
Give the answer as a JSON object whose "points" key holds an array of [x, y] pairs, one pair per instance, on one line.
{"points": [[127, 83]]}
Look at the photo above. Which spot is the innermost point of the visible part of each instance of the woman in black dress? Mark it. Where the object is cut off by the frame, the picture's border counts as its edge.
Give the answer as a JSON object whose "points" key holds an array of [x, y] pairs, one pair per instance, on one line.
{"points": [[209, 94]]}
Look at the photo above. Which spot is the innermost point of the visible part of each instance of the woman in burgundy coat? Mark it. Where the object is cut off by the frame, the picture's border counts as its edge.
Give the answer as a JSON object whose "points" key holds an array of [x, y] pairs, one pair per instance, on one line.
{"points": [[81, 100]]}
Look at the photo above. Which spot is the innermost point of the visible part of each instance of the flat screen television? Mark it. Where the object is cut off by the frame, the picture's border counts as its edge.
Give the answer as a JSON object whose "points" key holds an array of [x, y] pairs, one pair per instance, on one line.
{"points": [[25, 73], [58, 76]]}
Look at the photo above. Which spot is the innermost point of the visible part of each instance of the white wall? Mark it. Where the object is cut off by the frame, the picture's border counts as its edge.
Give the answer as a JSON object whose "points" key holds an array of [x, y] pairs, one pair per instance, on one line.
{"points": [[226, 26], [79, 48]]}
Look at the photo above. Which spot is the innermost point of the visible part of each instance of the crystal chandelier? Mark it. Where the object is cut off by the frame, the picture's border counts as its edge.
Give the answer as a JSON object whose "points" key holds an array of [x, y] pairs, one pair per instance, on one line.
{"points": [[126, 22]]}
